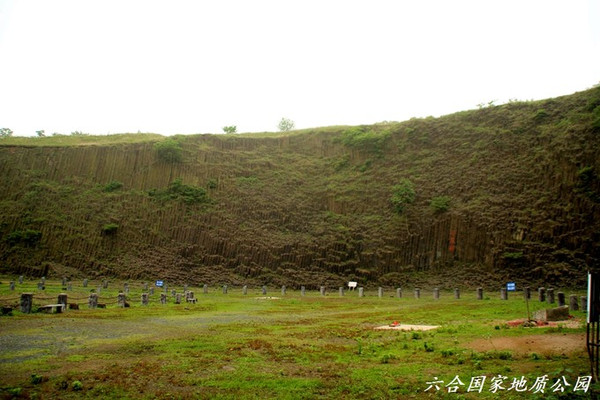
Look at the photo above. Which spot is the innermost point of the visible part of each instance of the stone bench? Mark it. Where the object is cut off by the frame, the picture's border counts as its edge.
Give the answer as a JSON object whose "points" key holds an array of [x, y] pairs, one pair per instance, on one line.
{"points": [[51, 308]]}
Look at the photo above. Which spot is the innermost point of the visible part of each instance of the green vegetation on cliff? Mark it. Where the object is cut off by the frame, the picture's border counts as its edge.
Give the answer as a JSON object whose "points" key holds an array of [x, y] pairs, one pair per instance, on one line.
{"points": [[318, 206]]}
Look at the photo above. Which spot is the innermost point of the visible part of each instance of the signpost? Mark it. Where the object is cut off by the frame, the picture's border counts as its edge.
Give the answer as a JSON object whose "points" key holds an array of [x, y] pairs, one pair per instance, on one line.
{"points": [[511, 287], [159, 283]]}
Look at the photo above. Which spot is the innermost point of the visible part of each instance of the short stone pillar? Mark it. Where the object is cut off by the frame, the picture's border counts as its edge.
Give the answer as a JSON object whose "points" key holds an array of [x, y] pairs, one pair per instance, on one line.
{"points": [[63, 299], [322, 290], [479, 293], [185, 287], [26, 302], [121, 299], [584, 304], [380, 292], [20, 279], [145, 299], [283, 290], [178, 298], [457, 293], [550, 295], [205, 289], [12, 285], [104, 284], [64, 281], [173, 292], [573, 303], [527, 293], [302, 290], [166, 287], [561, 299], [399, 293], [189, 297], [341, 291], [93, 300], [503, 294], [151, 291], [542, 294], [70, 286], [245, 290], [163, 298], [145, 285], [361, 292], [85, 282], [126, 288], [99, 290], [417, 293], [43, 280], [436, 293], [224, 289], [264, 290], [40, 285]]}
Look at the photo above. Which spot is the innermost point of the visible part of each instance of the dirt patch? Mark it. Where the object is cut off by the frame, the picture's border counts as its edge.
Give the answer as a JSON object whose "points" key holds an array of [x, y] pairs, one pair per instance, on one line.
{"points": [[404, 327], [544, 344]]}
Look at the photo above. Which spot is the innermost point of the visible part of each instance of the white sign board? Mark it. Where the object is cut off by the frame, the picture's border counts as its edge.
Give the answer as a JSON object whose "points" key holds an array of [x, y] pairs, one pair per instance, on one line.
{"points": [[352, 285]]}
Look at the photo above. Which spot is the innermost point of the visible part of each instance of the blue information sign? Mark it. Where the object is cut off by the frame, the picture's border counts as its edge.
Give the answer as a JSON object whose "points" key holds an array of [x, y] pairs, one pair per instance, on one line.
{"points": [[511, 287], [159, 283]]}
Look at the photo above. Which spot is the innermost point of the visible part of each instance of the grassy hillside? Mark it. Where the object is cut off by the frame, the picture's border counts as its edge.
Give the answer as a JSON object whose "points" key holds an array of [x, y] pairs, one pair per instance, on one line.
{"points": [[479, 197]]}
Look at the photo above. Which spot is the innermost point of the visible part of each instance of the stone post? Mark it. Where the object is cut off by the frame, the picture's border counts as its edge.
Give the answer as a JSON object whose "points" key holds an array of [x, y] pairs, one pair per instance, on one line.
{"points": [[380, 292], [283, 290], [166, 287], [561, 299], [185, 287], [245, 290], [173, 292], [43, 280], [20, 279], [264, 290], [63, 299], [303, 290], [542, 294], [584, 304], [126, 288], [12, 285], [145, 298], [121, 299], [436, 293], [503, 294], [70, 286], [163, 298], [151, 291], [178, 298], [322, 290], [40, 286], [417, 293], [573, 303], [479, 293], [104, 284], [457, 293], [93, 300], [205, 289], [550, 294], [145, 285], [26, 302], [399, 293], [224, 289], [341, 291], [64, 282], [85, 282], [361, 292], [527, 293]]}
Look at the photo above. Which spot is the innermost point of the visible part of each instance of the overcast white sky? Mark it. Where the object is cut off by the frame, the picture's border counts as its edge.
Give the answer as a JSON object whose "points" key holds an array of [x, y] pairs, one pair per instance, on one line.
{"points": [[113, 66]]}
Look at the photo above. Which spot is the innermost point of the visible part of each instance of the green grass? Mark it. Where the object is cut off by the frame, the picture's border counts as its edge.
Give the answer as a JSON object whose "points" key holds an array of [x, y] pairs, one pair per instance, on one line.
{"points": [[81, 140], [236, 346]]}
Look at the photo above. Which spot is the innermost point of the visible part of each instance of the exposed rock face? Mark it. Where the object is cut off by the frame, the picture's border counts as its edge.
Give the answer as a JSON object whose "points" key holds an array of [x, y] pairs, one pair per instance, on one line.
{"points": [[313, 208]]}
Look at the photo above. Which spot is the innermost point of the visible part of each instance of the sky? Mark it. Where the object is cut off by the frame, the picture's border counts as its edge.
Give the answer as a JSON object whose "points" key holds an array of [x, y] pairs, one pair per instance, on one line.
{"points": [[186, 67]]}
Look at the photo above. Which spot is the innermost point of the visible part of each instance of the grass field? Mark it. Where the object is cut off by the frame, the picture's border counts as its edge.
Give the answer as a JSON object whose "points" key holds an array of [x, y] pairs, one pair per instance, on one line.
{"points": [[290, 347]]}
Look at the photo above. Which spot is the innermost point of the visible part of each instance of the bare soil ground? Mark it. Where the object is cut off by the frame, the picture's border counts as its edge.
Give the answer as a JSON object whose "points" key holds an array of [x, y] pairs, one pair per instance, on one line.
{"points": [[541, 344]]}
